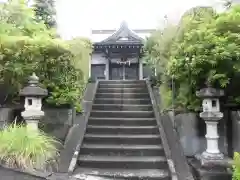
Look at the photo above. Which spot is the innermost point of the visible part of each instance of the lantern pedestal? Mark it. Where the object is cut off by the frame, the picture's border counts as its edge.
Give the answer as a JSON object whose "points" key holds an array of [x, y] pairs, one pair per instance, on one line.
{"points": [[212, 170], [32, 118], [212, 151]]}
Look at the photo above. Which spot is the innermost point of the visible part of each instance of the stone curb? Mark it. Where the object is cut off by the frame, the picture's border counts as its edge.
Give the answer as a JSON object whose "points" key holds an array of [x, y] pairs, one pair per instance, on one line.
{"points": [[78, 147], [162, 134], [73, 161]]}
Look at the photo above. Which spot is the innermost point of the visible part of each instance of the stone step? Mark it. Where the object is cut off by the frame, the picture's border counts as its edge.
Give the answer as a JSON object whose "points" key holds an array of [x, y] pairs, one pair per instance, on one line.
{"points": [[123, 95], [121, 101], [125, 174], [122, 150], [103, 129], [122, 82], [122, 90], [122, 85], [145, 101], [124, 162], [122, 114], [122, 107], [122, 121], [122, 139]]}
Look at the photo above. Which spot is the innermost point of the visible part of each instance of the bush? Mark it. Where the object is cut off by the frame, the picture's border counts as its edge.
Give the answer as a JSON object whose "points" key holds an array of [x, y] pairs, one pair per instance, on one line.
{"points": [[81, 48], [236, 166], [27, 46], [203, 47], [26, 149], [52, 62], [166, 97]]}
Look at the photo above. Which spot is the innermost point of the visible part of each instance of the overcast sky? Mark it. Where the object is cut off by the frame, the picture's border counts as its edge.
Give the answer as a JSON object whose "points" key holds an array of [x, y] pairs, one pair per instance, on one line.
{"points": [[78, 17]]}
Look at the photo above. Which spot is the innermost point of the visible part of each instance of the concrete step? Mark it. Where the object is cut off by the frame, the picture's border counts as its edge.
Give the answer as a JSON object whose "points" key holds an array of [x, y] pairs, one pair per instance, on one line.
{"points": [[122, 150], [123, 95], [122, 121], [124, 162], [122, 139], [122, 90], [122, 107], [122, 85], [123, 114], [103, 129], [126, 174], [123, 82], [145, 101]]}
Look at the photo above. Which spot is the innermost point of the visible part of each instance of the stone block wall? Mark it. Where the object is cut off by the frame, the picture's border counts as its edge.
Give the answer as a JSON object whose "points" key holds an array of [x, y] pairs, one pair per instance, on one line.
{"points": [[6, 115], [191, 130], [235, 118], [58, 121]]}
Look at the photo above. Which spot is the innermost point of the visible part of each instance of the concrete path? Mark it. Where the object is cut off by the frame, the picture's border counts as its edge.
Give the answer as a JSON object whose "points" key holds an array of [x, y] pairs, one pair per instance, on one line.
{"points": [[6, 174]]}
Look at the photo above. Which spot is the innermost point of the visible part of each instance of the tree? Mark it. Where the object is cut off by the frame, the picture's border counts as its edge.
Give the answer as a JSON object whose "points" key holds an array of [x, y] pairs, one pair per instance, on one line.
{"points": [[18, 19], [204, 47], [207, 51], [46, 12], [28, 46], [158, 47], [81, 48]]}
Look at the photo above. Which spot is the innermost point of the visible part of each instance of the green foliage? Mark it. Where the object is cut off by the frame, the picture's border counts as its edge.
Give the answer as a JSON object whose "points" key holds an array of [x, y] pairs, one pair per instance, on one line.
{"points": [[46, 12], [17, 19], [50, 60], [157, 48], [166, 97], [208, 51], [27, 45], [236, 166], [205, 48], [81, 48], [27, 149]]}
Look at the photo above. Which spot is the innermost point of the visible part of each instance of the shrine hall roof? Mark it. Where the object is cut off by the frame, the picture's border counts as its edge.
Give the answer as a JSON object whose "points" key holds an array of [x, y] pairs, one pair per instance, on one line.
{"points": [[123, 35]]}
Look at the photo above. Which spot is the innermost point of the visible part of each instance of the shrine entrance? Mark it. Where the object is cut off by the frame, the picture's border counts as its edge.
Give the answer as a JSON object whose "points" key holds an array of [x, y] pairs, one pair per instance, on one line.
{"points": [[120, 55], [123, 70]]}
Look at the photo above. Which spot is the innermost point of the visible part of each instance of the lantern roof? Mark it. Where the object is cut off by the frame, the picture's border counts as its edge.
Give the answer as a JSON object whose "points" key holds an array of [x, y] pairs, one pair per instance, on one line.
{"points": [[33, 89], [210, 92]]}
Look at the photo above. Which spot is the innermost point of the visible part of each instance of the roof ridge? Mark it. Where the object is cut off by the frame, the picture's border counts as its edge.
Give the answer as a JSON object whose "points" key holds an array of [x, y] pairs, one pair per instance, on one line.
{"points": [[123, 34]]}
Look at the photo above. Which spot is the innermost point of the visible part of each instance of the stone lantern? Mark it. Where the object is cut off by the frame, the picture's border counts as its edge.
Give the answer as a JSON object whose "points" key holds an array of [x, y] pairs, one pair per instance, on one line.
{"points": [[211, 115], [33, 102]]}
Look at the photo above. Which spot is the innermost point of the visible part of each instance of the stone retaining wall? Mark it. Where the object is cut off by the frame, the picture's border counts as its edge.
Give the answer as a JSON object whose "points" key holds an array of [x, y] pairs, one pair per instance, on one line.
{"points": [[191, 130]]}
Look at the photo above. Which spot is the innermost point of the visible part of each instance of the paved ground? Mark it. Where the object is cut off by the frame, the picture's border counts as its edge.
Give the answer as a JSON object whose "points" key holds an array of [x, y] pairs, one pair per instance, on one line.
{"points": [[6, 174]]}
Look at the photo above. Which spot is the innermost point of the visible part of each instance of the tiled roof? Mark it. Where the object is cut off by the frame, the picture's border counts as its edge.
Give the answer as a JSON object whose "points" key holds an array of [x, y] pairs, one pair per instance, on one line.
{"points": [[123, 36]]}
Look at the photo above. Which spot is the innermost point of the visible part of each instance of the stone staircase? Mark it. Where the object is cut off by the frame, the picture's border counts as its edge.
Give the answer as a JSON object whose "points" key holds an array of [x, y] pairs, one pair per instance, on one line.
{"points": [[122, 139]]}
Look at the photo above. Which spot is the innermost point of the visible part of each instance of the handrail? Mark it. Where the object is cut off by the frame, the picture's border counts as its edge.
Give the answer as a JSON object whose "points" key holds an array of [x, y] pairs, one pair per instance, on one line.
{"points": [[177, 162]]}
